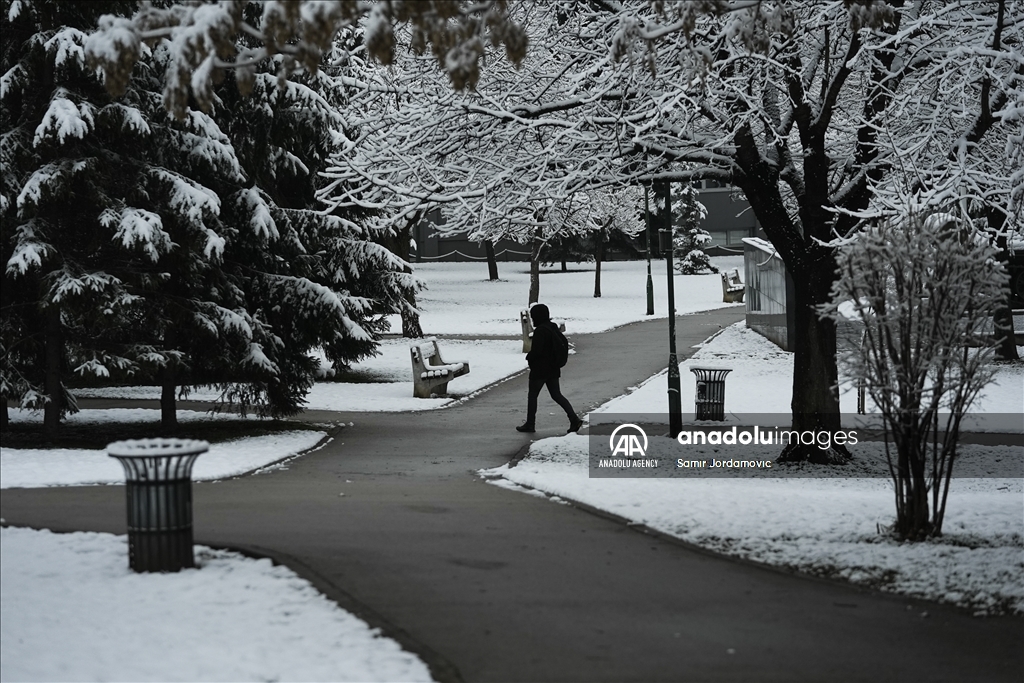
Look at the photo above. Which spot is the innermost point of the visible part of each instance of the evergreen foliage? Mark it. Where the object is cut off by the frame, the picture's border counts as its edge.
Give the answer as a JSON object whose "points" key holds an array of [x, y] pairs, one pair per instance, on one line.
{"points": [[688, 238], [186, 251]]}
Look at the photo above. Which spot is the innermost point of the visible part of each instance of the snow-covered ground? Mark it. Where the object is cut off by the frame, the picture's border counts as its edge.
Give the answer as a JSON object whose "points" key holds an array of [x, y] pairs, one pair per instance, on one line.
{"points": [[824, 521], [32, 468], [761, 381], [459, 300], [384, 382], [232, 619]]}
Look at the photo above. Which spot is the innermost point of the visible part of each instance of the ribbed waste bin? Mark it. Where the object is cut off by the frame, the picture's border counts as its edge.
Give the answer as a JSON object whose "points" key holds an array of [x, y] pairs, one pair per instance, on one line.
{"points": [[158, 474], [710, 399]]}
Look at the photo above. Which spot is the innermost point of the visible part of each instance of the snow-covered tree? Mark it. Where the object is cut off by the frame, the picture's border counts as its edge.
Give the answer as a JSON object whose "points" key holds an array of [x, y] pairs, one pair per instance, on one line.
{"points": [[73, 203], [811, 109], [922, 289], [188, 250], [482, 157], [203, 39], [688, 238], [618, 212]]}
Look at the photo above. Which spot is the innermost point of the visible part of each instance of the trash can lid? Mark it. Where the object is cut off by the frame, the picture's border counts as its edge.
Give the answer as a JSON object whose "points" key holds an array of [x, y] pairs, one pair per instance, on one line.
{"points": [[148, 448]]}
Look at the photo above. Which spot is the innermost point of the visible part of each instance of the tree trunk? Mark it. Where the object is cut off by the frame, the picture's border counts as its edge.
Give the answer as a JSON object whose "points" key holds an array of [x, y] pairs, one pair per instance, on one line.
{"points": [[492, 261], [411, 327], [1006, 345], [913, 521], [535, 251], [54, 359], [598, 258], [1002, 319], [168, 398], [400, 244], [815, 402], [812, 268], [565, 268], [5, 417]]}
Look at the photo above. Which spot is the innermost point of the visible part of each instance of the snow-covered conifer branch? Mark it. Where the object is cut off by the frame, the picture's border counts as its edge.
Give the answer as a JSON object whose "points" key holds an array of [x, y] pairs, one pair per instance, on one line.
{"points": [[203, 39]]}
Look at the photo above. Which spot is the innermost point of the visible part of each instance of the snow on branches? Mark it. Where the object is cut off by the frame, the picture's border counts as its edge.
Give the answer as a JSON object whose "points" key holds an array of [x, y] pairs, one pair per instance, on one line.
{"points": [[920, 291], [179, 250], [64, 119], [495, 166], [208, 38]]}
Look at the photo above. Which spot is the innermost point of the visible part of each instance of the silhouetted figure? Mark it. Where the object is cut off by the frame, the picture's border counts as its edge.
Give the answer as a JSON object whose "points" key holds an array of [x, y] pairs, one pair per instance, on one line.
{"points": [[546, 359]]}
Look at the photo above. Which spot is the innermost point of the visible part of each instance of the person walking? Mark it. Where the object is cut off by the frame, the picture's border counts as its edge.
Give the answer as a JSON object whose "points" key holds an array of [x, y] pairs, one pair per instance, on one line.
{"points": [[546, 359]]}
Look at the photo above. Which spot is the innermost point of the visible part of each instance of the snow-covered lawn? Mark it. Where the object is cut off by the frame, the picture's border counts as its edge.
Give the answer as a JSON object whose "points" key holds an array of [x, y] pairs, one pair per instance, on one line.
{"points": [[459, 300], [31, 468], [384, 382], [71, 610], [824, 521], [761, 381]]}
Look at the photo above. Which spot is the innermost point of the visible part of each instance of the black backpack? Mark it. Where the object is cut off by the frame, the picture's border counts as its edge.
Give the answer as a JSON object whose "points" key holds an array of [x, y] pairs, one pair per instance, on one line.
{"points": [[560, 348]]}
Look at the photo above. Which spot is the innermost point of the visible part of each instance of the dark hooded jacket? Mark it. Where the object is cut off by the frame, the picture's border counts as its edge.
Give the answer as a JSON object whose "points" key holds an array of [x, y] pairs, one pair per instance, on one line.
{"points": [[541, 357]]}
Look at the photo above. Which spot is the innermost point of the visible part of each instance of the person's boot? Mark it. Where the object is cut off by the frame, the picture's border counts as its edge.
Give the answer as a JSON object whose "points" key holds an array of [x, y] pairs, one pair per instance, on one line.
{"points": [[574, 425], [527, 427]]}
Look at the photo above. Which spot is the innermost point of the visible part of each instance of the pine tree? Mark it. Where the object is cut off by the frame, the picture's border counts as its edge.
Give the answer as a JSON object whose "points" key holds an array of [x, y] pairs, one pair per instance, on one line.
{"points": [[188, 251], [316, 278], [688, 238], [66, 198]]}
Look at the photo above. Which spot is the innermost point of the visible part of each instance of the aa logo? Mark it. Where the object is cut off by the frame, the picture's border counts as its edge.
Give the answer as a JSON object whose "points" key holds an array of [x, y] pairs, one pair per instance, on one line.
{"points": [[628, 443]]}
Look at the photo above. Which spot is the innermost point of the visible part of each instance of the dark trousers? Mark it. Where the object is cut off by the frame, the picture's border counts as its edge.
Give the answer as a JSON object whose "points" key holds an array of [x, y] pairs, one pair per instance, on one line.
{"points": [[536, 384]]}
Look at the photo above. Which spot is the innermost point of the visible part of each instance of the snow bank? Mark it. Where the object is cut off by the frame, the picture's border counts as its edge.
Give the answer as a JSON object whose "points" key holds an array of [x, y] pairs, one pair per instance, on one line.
{"points": [[32, 468], [232, 619]]}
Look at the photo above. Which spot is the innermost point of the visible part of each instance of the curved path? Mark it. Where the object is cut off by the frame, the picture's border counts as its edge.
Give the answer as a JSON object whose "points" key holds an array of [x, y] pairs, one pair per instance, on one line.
{"points": [[488, 584]]}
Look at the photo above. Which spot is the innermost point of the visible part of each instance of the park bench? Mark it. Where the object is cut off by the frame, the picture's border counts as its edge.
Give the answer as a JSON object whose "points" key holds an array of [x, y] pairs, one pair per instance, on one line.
{"points": [[430, 374], [733, 288], [527, 323]]}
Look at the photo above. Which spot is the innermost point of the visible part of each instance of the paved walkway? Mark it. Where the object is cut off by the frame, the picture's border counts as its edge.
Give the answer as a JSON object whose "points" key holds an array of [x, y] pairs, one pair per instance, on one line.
{"points": [[492, 585]]}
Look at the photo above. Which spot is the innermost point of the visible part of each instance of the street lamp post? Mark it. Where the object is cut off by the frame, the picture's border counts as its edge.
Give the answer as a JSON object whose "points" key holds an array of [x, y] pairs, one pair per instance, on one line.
{"points": [[675, 402]]}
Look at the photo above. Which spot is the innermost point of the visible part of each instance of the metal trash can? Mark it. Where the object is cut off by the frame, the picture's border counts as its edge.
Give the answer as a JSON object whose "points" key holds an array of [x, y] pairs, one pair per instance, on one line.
{"points": [[710, 399], [158, 474]]}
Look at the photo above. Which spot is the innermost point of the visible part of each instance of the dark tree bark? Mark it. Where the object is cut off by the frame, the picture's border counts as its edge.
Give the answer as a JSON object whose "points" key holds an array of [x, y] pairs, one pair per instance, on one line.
{"points": [[54, 359], [598, 258], [169, 384], [492, 261], [399, 244], [168, 398], [535, 251], [815, 402], [1002, 319], [411, 327], [1006, 345], [813, 269], [5, 417]]}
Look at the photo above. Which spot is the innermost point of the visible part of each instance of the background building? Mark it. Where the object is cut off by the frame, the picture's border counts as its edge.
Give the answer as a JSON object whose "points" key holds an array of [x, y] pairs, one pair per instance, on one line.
{"points": [[729, 220]]}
